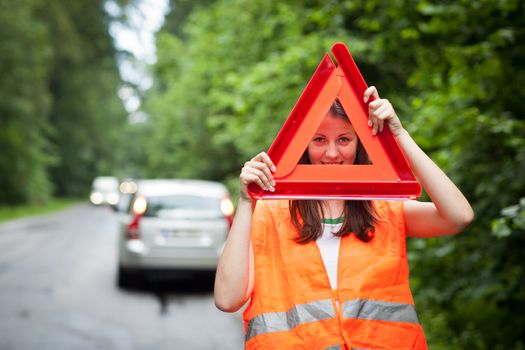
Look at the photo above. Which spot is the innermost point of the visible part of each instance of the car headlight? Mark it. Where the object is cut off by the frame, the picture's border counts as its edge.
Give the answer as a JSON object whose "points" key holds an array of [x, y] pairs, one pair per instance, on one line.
{"points": [[96, 198], [113, 198]]}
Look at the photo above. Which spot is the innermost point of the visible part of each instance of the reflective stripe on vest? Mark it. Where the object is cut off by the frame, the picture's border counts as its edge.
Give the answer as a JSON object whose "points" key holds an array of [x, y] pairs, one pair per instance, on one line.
{"points": [[323, 309], [339, 347], [285, 321], [380, 311]]}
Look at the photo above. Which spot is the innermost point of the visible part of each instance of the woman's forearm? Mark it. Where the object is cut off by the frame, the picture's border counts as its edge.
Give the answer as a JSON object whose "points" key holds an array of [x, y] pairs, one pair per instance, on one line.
{"points": [[233, 277], [452, 206]]}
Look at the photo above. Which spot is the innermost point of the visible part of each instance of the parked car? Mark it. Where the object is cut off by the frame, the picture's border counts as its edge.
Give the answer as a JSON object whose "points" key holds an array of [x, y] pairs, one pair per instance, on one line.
{"points": [[105, 191], [172, 225]]}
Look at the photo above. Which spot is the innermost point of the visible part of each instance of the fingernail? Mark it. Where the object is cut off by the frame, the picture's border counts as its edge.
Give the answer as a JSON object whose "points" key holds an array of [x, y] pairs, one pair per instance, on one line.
{"points": [[273, 183], [273, 168], [272, 189], [374, 132], [365, 98], [369, 123]]}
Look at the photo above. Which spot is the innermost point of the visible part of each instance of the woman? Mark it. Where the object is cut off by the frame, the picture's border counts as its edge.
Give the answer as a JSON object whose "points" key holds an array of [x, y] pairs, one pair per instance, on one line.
{"points": [[333, 274]]}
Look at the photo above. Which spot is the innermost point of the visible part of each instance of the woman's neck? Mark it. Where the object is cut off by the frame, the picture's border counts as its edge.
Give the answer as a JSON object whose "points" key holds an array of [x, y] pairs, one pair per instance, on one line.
{"points": [[333, 208]]}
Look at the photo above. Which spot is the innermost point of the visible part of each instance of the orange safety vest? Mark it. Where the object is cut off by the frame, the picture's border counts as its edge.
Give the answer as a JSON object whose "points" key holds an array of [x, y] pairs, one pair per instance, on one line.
{"points": [[292, 305]]}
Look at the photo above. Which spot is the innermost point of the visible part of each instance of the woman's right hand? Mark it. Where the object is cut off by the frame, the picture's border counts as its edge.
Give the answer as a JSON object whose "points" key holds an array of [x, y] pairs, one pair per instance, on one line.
{"points": [[257, 170]]}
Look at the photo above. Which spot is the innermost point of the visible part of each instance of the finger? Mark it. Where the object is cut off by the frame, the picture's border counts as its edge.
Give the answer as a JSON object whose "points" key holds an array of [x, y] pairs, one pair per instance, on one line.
{"points": [[371, 110], [375, 126], [380, 124], [381, 113], [384, 116], [372, 118], [247, 179], [385, 109], [374, 105], [255, 175], [263, 157], [372, 122], [264, 168], [371, 91]]}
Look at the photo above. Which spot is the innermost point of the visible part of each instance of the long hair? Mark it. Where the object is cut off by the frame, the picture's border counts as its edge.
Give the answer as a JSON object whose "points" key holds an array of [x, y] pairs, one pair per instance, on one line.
{"points": [[359, 215]]}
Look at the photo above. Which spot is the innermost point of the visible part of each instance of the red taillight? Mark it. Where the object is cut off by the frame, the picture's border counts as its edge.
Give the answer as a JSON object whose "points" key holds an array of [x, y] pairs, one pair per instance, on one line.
{"points": [[229, 218], [132, 231], [227, 209], [140, 205]]}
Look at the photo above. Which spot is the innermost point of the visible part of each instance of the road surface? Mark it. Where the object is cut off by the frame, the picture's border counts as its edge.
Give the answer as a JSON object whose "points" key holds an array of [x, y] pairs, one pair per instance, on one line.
{"points": [[58, 291]]}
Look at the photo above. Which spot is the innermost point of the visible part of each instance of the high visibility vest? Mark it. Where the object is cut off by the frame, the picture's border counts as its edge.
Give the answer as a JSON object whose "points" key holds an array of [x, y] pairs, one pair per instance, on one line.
{"points": [[292, 305]]}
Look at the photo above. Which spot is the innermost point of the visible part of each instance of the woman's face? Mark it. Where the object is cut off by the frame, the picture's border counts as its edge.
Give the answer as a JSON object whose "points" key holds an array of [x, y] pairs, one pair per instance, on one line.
{"points": [[335, 142]]}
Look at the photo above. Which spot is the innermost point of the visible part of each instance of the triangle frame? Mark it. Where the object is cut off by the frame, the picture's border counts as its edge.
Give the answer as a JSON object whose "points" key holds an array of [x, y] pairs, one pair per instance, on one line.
{"points": [[388, 177]]}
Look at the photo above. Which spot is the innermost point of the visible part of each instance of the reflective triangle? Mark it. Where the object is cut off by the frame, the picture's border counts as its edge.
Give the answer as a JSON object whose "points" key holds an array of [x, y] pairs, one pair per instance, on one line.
{"points": [[389, 176]]}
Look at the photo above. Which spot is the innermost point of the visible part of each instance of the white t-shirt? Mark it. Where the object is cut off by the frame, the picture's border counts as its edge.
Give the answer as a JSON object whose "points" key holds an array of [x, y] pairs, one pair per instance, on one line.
{"points": [[328, 245]]}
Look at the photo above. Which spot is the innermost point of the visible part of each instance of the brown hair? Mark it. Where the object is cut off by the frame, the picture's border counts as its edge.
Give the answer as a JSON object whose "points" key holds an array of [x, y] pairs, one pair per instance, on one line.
{"points": [[359, 216]]}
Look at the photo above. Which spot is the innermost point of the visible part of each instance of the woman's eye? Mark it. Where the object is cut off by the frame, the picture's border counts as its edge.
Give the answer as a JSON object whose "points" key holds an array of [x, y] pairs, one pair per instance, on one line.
{"points": [[344, 140], [318, 139]]}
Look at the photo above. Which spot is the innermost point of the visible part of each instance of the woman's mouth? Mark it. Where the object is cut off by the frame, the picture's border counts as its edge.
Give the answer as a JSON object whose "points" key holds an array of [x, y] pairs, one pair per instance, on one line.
{"points": [[332, 163]]}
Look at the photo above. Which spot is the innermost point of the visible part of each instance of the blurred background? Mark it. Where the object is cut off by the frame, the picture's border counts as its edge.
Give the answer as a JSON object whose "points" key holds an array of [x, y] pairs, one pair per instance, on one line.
{"points": [[191, 89]]}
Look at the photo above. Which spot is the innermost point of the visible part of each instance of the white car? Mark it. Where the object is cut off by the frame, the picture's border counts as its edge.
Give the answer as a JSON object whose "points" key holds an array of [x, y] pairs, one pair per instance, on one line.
{"points": [[105, 191], [172, 225]]}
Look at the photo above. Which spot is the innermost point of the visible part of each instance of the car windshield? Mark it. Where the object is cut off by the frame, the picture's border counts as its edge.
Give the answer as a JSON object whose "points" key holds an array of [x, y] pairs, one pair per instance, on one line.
{"points": [[183, 206], [105, 184]]}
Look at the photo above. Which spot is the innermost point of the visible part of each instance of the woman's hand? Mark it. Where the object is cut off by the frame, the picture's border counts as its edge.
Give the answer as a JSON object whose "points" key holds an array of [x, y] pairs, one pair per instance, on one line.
{"points": [[380, 111], [257, 170]]}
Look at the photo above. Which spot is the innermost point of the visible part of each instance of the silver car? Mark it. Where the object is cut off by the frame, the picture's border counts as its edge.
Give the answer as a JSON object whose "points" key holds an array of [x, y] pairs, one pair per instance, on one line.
{"points": [[172, 225]]}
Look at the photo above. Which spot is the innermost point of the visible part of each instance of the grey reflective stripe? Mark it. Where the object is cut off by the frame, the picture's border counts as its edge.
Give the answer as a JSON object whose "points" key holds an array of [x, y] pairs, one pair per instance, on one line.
{"points": [[284, 321], [334, 347], [380, 311]]}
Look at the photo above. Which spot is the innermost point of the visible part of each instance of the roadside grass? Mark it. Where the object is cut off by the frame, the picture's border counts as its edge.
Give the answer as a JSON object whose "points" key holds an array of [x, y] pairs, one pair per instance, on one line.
{"points": [[19, 211]]}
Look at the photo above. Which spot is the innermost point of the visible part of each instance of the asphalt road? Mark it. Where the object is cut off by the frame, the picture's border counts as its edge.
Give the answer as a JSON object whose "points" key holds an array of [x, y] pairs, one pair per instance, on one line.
{"points": [[58, 291]]}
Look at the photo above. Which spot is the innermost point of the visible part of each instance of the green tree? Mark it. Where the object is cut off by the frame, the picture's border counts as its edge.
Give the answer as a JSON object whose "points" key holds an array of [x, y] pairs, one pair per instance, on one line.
{"points": [[25, 153], [61, 120], [87, 114]]}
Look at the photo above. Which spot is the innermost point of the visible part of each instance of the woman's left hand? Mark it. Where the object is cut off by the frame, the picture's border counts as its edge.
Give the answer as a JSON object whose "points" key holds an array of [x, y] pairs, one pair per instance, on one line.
{"points": [[380, 111]]}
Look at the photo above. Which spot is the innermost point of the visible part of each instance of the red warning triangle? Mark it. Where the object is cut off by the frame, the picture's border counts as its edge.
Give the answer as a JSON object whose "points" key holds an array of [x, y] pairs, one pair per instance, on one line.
{"points": [[389, 176]]}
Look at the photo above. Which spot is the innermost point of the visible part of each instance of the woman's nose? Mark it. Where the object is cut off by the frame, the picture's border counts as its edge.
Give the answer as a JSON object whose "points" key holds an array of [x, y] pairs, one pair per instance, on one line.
{"points": [[332, 152]]}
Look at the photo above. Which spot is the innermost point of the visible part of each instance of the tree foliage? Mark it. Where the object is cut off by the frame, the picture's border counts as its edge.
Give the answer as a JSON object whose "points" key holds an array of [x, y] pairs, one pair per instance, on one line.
{"points": [[229, 72], [24, 104], [86, 112], [61, 119]]}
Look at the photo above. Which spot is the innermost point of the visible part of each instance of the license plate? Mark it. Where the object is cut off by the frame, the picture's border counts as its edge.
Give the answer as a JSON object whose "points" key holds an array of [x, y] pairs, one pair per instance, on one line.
{"points": [[177, 234], [182, 239]]}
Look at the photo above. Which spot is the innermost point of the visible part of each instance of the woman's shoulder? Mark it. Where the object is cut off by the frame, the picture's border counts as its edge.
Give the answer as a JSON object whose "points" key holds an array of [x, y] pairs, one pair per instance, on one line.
{"points": [[272, 206], [272, 211], [388, 208]]}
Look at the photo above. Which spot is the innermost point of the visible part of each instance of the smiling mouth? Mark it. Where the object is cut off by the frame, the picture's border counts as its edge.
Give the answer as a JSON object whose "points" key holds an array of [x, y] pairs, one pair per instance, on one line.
{"points": [[332, 163]]}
